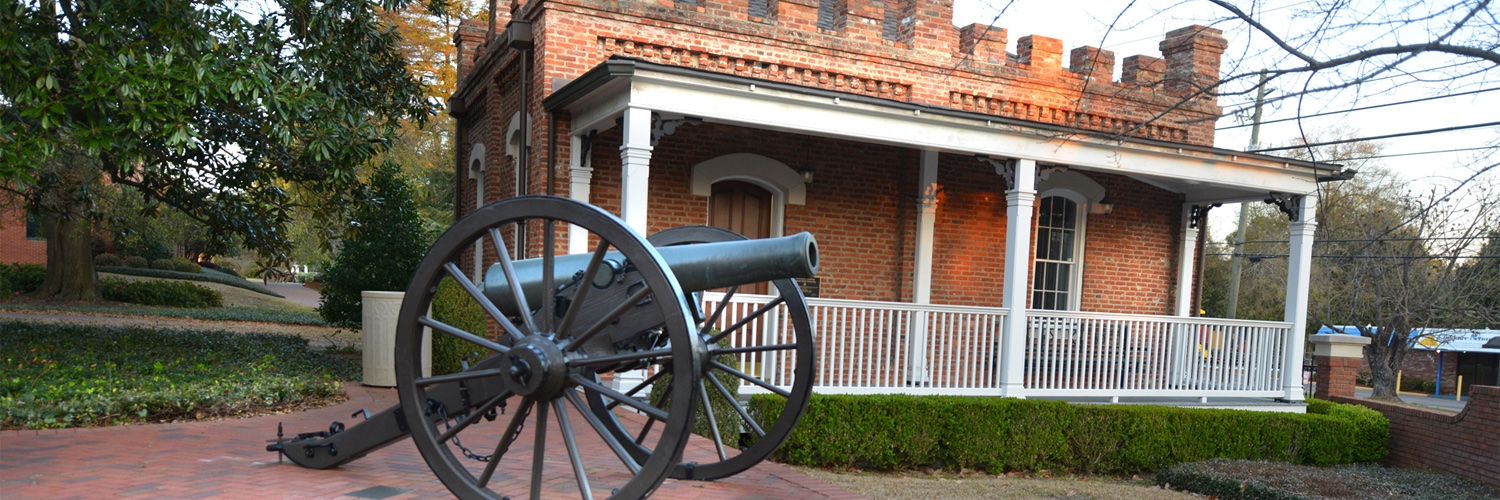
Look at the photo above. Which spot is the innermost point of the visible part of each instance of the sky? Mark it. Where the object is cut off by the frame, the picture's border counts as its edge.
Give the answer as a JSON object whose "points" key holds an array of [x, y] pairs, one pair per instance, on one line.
{"points": [[1144, 23]]}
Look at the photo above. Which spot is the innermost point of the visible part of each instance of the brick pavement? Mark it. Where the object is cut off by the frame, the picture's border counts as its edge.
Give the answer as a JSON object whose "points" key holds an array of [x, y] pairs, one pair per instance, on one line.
{"points": [[227, 459]]}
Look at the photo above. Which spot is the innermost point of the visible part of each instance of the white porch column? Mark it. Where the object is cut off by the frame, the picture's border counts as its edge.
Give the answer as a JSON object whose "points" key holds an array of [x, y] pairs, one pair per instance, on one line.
{"points": [[1019, 204], [922, 280], [1298, 275], [635, 166], [1188, 254], [580, 179]]}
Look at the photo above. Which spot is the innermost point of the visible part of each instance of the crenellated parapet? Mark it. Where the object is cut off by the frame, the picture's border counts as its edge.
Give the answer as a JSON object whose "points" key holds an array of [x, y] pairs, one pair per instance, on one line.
{"points": [[905, 50]]}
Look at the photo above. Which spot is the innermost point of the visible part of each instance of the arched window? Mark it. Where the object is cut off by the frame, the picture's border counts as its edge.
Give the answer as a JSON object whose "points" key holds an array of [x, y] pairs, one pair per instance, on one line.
{"points": [[1065, 198], [1059, 250]]}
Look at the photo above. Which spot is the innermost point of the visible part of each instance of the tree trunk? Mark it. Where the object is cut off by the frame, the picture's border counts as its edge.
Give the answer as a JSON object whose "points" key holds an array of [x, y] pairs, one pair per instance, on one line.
{"points": [[1385, 362], [70, 265]]}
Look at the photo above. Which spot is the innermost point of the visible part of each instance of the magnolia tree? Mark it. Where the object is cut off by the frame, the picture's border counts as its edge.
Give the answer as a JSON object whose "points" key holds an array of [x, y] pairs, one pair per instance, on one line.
{"points": [[214, 107]]}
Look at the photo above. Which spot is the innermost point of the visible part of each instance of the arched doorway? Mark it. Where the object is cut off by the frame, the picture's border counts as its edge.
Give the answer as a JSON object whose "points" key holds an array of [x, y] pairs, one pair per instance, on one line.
{"points": [[744, 208]]}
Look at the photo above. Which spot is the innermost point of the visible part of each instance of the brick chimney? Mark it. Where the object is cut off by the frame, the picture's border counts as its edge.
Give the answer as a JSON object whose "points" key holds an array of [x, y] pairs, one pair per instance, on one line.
{"points": [[932, 27], [1192, 55], [983, 43]]}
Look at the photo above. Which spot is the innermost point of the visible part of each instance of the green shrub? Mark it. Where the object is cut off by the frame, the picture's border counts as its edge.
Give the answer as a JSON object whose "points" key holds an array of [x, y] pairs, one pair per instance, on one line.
{"points": [[160, 293], [1002, 434], [726, 419], [182, 265], [82, 376], [5, 292], [221, 279], [24, 278], [136, 261], [453, 306], [382, 254], [107, 259], [164, 265]]}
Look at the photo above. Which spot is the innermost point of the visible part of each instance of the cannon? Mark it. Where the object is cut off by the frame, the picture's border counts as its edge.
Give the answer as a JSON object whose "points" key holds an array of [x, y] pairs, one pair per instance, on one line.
{"points": [[622, 348]]}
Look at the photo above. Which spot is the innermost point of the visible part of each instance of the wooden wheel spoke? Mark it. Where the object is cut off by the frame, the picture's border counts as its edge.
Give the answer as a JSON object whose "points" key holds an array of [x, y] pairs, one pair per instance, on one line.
{"points": [[660, 402], [724, 391], [746, 320], [609, 437], [539, 451], [713, 423], [719, 311], [757, 348], [509, 268], [583, 288], [727, 369], [649, 410], [466, 336], [484, 303], [511, 429], [571, 444]]}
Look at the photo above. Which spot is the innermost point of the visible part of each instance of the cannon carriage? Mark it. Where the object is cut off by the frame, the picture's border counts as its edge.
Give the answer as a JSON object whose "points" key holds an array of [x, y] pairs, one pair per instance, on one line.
{"points": [[562, 326]]}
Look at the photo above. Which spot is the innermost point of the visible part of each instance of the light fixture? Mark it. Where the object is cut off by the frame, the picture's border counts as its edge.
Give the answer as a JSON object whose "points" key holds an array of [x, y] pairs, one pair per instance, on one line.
{"points": [[807, 175]]}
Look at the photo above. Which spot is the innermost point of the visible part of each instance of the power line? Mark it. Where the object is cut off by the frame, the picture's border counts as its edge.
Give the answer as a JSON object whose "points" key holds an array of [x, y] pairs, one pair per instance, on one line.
{"points": [[1459, 150], [1378, 137], [1435, 238], [1480, 91], [1259, 256]]}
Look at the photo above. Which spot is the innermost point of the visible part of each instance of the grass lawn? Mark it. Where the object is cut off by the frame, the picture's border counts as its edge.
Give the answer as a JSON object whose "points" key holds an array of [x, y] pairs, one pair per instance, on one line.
{"points": [[239, 305]]}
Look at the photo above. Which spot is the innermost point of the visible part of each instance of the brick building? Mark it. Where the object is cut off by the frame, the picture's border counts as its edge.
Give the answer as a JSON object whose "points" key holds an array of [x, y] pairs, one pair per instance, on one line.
{"points": [[20, 240], [1050, 205]]}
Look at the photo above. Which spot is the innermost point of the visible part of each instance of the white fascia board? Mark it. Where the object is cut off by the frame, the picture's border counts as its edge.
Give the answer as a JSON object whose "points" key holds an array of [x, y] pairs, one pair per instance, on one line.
{"points": [[824, 115]]}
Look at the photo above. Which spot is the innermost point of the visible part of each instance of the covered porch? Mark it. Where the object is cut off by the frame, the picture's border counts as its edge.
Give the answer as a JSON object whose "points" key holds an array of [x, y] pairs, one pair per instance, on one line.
{"points": [[1028, 340]]}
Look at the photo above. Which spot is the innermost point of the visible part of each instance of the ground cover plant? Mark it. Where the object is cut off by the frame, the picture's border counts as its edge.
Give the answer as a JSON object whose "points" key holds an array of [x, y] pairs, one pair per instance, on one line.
{"points": [[211, 314], [159, 293], [54, 376], [1275, 480]]}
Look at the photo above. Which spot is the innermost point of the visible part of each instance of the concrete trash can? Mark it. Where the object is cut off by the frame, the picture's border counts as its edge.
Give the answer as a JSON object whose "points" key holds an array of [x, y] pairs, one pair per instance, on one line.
{"points": [[380, 312]]}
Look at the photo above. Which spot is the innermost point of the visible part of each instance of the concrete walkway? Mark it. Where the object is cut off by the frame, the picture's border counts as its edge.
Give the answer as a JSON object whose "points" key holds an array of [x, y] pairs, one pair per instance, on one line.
{"points": [[1442, 403], [295, 292], [227, 459]]}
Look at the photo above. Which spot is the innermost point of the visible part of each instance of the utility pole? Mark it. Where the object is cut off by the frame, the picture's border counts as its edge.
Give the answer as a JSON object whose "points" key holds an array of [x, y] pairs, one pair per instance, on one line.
{"points": [[1236, 257]]}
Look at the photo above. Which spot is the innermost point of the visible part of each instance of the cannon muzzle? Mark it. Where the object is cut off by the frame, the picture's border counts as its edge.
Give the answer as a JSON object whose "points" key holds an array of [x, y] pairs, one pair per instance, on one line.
{"points": [[699, 267]]}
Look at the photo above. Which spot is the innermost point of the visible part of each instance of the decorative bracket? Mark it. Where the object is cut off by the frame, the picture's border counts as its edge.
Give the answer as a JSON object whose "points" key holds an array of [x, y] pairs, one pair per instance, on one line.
{"points": [[661, 128], [1005, 168], [1199, 213], [1042, 173], [587, 143], [1289, 204]]}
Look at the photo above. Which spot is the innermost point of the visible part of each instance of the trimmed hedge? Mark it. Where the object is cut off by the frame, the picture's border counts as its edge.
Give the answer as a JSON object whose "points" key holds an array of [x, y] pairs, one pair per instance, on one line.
{"points": [[107, 259], [892, 432], [220, 278], [452, 305], [160, 293], [137, 262]]}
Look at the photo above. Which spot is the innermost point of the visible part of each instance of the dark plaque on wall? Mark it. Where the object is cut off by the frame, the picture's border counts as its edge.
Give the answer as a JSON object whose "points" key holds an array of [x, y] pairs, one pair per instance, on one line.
{"points": [[809, 285]]}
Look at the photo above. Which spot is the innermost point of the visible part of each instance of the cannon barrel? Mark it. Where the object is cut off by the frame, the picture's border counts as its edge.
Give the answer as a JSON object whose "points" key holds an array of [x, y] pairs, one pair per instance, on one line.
{"points": [[699, 267]]}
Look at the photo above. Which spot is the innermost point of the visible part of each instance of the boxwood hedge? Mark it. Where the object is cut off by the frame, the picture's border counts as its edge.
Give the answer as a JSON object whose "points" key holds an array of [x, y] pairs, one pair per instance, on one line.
{"points": [[892, 432]]}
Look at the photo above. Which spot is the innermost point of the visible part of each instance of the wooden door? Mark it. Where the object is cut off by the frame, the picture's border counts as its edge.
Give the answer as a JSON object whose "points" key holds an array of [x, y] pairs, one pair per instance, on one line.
{"points": [[744, 208]]}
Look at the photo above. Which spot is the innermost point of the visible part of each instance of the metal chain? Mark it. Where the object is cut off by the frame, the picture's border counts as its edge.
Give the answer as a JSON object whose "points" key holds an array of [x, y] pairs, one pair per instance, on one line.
{"points": [[442, 412]]}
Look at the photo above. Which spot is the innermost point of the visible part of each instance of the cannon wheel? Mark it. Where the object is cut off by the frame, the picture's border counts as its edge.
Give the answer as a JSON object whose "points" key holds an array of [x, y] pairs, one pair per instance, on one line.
{"points": [[727, 458], [539, 372]]}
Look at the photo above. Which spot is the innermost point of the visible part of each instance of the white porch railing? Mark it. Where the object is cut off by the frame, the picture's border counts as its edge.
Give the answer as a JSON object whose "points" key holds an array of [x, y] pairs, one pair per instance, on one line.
{"points": [[1097, 354], [869, 347]]}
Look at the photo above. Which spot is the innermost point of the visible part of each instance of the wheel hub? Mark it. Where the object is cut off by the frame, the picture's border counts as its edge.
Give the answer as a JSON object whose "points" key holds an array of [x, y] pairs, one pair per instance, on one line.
{"points": [[535, 367]]}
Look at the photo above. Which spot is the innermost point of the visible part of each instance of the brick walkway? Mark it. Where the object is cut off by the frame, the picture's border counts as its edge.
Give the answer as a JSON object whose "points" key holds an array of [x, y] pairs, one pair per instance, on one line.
{"points": [[227, 459]]}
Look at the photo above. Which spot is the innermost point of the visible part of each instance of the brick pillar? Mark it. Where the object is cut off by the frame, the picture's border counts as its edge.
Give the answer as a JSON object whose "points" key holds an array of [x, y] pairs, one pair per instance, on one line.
{"points": [[1040, 52], [1192, 56], [1336, 358], [983, 43]]}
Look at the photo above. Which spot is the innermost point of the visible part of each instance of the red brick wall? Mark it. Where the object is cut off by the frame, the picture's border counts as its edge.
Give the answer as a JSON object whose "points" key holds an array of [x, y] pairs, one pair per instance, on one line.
{"points": [[1465, 444], [1334, 376], [863, 203], [14, 247]]}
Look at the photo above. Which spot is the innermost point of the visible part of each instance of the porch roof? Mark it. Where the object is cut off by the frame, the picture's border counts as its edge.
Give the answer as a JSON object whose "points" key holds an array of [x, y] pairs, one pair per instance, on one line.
{"points": [[1202, 174]]}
